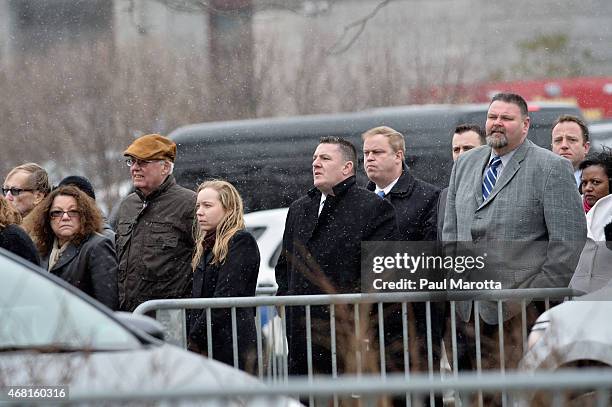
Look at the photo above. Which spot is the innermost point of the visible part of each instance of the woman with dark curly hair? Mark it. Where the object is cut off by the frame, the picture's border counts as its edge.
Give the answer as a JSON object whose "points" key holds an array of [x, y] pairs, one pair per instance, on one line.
{"points": [[593, 270], [66, 227], [12, 237], [596, 178]]}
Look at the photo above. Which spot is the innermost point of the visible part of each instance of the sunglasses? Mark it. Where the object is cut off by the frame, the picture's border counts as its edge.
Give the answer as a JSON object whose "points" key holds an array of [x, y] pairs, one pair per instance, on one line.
{"points": [[60, 214], [15, 191]]}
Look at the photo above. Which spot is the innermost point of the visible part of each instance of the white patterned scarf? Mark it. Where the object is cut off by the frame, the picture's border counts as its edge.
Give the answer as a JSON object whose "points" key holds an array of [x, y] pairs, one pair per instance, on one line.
{"points": [[56, 253]]}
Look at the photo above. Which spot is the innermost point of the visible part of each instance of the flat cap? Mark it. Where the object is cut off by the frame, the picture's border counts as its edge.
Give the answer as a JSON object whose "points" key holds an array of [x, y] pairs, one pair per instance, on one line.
{"points": [[152, 147]]}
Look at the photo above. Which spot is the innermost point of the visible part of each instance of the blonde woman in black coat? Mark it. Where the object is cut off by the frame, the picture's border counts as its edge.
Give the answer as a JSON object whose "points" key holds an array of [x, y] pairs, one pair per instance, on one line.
{"points": [[226, 264]]}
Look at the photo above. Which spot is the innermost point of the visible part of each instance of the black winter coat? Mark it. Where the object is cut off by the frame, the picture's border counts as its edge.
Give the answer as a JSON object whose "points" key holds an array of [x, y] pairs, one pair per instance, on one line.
{"points": [[14, 239], [236, 277], [323, 255], [90, 267], [416, 207]]}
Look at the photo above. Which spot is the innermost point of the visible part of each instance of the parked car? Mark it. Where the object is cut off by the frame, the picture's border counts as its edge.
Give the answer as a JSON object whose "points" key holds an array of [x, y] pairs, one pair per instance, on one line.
{"points": [[571, 332], [267, 227], [574, 334], [52, 334], [601, 134], [269, 160]]}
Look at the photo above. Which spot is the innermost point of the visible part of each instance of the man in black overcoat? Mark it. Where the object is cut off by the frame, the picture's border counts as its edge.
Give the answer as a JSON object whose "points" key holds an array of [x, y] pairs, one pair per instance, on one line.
{"points": [[415, 204], [321, 252]]}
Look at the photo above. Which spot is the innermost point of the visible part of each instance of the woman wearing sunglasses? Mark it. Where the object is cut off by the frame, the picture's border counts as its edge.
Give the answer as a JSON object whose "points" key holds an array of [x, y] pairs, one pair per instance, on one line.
{"points": [[66, 227]]}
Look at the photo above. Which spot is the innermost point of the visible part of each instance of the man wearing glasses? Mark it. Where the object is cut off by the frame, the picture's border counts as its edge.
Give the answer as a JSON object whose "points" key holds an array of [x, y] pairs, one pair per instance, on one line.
{"points": [[154, 241], [25, 187]]}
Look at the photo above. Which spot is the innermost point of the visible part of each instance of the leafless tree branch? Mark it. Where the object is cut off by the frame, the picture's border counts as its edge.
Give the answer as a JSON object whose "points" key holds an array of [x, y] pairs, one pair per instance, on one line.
{"points": [[202, 6], [357, 28]]}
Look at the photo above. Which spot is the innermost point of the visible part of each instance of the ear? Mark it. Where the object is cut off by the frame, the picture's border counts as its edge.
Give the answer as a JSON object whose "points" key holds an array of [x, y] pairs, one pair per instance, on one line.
{"points": [[526, 124], [587, 147], [38, 197], [400, 154], [348, 168], [165, 168]]}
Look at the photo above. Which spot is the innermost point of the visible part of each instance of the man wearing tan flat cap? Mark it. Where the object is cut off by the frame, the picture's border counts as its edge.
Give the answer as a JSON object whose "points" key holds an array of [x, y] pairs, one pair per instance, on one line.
{"points": [[154, 239]]}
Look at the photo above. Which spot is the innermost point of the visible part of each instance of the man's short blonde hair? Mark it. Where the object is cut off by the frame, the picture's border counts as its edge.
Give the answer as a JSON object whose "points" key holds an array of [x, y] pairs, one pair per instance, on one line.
{"points": [[38, 178], [396, 139]]}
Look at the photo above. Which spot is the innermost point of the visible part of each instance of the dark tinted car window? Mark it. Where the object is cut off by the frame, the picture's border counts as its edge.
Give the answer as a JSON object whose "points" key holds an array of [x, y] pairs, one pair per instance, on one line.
{"points": [[269, 160]]}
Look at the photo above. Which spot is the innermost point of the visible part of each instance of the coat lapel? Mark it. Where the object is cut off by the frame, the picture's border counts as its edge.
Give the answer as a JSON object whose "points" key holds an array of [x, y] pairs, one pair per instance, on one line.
{"points": [[311, 216], [482, 164], [200, 276], [509, 171], [67, 255]]}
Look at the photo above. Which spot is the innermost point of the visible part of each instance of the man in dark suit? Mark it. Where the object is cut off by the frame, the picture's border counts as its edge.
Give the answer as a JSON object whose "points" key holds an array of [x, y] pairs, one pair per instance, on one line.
{"points": [[415, 204], [523, 197], [570, 139], [321, 250], [414, 200]]}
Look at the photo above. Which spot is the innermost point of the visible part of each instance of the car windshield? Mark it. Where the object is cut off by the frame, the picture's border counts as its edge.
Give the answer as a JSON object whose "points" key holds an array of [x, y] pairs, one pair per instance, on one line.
{"points": [[37, 313]]}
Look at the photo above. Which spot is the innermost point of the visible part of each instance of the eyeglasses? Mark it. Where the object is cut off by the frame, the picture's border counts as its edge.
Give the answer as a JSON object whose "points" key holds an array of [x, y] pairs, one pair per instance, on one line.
{"points": [[60, 214], [15, 191], [141, 163]]}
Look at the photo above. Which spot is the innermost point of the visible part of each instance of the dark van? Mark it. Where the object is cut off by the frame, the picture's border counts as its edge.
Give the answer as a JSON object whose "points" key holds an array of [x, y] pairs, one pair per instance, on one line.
{"points": [[269, 160]]}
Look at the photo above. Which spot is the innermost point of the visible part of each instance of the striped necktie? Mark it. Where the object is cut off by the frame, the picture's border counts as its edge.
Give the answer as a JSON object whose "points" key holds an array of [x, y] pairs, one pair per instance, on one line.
{"points": [[381, 194], [490, 177]]}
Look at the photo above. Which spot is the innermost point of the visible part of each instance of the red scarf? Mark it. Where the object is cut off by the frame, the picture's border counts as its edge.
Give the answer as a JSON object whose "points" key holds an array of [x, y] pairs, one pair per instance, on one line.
{"points": [[586, 205]]}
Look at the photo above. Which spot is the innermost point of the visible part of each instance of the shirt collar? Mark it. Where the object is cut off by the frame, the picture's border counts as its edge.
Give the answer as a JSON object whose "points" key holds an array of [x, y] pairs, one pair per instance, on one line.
{"points": [[505, 159], [322, 202], [578, 177], [386, 189]]}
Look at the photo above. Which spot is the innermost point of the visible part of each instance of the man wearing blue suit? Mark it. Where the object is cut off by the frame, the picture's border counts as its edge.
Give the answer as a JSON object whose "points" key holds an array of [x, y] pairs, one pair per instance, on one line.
{"points": [[514, 191]]}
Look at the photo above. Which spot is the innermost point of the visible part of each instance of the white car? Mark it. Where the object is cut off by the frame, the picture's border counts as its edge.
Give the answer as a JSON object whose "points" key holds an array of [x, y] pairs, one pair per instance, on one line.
{"points": [[52, 334], [575, 332], [267, 227], [572, 334]]}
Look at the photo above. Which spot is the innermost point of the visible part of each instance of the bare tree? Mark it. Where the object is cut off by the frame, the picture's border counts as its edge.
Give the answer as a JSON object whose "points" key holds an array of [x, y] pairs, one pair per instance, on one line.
{"points": [[77, 107]]}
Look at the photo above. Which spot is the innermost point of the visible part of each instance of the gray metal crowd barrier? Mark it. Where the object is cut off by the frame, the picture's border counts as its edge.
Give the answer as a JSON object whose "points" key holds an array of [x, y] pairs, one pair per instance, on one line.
{"points": [[271, 340], [557, 389]]}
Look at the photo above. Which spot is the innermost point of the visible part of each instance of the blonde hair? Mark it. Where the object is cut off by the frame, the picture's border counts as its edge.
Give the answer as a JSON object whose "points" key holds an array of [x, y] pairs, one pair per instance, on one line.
{"points": [[231, 222], [395, 138], [37, 177]]}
